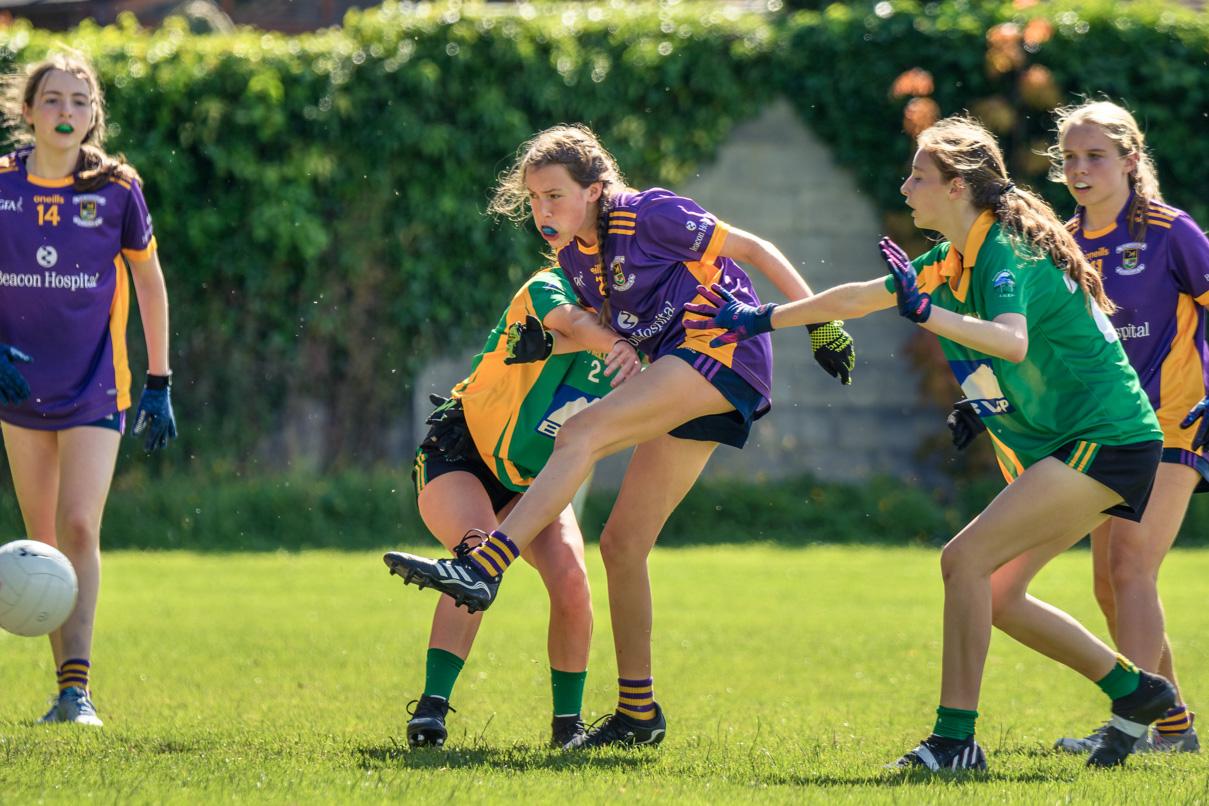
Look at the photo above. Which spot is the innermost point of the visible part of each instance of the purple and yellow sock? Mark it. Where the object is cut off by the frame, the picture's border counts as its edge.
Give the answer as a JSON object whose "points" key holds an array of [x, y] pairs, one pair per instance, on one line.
{"points": [[636, 698], [1177, 720], [74, 672], [493, 556], [1122, 680]]}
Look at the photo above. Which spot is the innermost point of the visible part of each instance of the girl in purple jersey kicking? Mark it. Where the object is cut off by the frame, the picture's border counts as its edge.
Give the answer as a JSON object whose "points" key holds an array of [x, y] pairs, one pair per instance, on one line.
{"points": [[1155, 263], [73, 219], [636, 258]]}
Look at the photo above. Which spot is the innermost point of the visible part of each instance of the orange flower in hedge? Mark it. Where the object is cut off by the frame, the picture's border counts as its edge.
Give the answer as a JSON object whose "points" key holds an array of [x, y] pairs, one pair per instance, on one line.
{"points": [[1038, 88], [919, 114], [1004, 53], [914, 82], [995, 113], [1038, 31]]}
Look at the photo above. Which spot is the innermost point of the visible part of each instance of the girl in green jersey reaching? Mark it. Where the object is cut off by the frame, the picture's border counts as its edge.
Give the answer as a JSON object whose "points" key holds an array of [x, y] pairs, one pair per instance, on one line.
{"points": [[1021, 319]]}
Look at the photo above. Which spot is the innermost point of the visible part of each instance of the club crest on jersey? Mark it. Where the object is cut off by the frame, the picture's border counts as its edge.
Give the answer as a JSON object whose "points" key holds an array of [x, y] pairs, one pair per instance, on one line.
{"points": [[1131, 254], [88, 206], [617, 269], [1004, 283]]}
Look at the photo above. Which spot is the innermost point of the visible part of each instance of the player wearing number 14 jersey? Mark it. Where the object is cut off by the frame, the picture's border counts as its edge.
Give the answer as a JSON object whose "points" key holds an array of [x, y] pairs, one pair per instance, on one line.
{"points": [[64, 290]]}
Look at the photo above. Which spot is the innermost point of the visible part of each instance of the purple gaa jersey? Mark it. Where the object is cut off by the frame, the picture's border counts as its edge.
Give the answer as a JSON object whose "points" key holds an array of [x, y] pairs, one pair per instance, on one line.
{"points": [[1160, 285], [65, 291], [660, 246]]}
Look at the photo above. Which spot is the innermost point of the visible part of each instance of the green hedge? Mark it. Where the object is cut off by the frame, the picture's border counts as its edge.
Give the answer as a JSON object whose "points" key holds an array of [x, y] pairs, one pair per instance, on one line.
{"points": [[319, 199]]}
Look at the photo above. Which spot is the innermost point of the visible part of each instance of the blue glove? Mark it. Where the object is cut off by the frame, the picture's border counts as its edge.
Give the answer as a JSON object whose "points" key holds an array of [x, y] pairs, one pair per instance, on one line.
{"points": [[965, 423], [13, 388], [833, 349], [528, 342], [154, 413], [740, 320], [1198, 413], [912, 303]]}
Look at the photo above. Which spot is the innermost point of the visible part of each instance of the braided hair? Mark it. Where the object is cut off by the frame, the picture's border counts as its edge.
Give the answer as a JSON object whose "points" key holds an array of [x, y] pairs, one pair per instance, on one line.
{"points": [[576, 148], [962, 147], [1122, 129]]}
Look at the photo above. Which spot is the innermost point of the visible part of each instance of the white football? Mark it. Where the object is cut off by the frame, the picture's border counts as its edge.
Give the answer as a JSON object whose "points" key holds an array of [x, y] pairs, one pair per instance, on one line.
{"points": [[37, 588]]}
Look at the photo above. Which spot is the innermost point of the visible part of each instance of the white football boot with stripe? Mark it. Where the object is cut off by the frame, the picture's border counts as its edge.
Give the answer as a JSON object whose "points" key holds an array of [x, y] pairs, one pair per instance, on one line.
{"points": [[938, 753]]}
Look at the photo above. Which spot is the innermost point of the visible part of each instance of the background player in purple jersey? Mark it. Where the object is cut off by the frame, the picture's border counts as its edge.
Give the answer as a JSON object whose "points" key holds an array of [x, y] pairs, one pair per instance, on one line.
{"points": [[1031, 347], [75, 218], [636, 258], [1155, 264]]}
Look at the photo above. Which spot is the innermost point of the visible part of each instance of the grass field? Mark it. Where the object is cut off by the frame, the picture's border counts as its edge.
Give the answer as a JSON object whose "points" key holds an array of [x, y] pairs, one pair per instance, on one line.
{"points": [[283, 678]]}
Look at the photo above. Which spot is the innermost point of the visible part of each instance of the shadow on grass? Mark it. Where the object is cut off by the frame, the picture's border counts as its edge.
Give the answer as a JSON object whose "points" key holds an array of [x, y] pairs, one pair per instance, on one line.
{"points": [[514, 758]]}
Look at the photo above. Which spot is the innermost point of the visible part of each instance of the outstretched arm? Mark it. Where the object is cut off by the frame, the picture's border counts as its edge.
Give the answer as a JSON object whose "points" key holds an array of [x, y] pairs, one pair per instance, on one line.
{"points": [[848, 301]]}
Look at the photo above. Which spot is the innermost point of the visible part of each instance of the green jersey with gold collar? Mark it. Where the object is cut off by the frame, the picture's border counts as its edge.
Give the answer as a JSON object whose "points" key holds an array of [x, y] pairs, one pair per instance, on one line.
{"points": [[1075, 383]]}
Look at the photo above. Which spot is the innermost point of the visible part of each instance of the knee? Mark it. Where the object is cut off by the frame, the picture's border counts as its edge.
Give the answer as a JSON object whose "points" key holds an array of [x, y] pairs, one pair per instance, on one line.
{"points": [[80, 534], [619, 552], [570, 593], [953, 563]]}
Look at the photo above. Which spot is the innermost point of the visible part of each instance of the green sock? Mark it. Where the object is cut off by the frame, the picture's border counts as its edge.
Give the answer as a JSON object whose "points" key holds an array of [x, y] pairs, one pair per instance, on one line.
{"points": [[1122, 680], [443, 670], [954, 723], [568, 691]]}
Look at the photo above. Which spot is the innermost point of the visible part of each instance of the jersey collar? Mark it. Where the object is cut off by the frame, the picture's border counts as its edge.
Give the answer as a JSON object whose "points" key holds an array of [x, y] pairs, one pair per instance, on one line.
{"points": [[955, 268]]}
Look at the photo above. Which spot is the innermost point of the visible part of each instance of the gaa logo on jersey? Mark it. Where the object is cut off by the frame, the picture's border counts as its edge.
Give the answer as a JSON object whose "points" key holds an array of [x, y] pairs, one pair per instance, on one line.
{"points": [[88, 205], [1131, 258], [620, 281]]}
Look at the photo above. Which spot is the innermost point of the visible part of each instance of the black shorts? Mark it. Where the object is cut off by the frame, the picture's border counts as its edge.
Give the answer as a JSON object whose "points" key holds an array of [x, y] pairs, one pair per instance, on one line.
{"points": [[1127, 470], [431, 463], [733, 427]]}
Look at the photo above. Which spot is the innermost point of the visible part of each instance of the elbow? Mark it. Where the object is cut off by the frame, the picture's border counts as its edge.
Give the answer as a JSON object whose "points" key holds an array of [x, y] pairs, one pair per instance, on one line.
{"points": [[1017, 351]]}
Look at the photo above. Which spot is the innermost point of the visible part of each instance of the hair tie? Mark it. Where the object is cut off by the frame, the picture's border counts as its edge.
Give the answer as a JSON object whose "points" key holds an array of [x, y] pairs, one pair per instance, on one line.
{"points": [[1008, 188]]}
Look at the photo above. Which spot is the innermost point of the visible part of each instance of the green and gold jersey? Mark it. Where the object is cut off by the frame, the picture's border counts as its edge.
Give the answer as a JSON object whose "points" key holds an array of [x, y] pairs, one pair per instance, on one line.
{"points": [[514, 411], [1075, 383]]}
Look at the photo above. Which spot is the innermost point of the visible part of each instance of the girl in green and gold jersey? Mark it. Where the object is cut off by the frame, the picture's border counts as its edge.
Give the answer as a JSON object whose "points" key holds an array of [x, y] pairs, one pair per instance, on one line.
{"points": [[1021, 319]]}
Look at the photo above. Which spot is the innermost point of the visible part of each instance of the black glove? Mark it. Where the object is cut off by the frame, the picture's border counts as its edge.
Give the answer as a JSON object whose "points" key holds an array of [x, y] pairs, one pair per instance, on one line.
{"points": [[449, 433], [833, 349], [528, 342], [965, 423], [13, 388]]}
